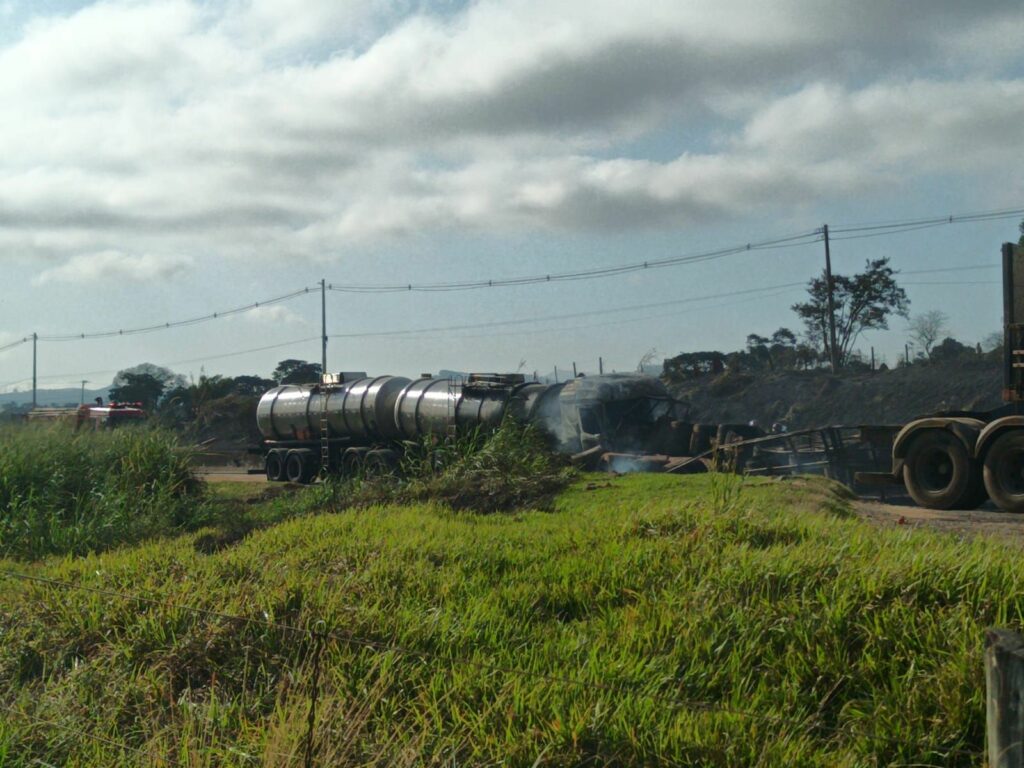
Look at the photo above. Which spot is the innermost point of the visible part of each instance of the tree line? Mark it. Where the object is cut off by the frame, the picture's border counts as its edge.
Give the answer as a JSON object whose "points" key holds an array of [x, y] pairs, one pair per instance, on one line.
{"points": [[865, 301]]}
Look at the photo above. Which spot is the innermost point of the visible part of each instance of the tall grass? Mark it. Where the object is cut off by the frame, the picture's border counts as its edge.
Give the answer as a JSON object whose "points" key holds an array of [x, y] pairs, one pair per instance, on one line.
{"points": [[787, 633], [507, 469], [67, 492]]}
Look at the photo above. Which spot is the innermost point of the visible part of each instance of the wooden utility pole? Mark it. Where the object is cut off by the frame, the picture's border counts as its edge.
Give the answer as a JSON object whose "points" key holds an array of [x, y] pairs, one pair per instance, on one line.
{"points": [[1004, 681], [35, 339], [833, 356], [323, 326], [81, 398]]}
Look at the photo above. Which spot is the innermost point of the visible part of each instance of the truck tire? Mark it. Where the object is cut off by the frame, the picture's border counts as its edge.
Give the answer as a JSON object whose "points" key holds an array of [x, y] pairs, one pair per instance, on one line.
{"points": [[298, 467], [352, 461], [382, 462], [1004, 471], [274, 466], [939, 473]]}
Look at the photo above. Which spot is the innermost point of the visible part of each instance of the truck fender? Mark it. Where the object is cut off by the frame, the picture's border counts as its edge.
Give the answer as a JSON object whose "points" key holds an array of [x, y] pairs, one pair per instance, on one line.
{"points": [[993, 430], [966, 430]]}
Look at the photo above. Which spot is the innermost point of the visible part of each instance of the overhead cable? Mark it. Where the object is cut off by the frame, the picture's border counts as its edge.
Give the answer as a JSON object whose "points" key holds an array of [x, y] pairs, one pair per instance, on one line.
{"points": [[177, 323], [804, 238]]}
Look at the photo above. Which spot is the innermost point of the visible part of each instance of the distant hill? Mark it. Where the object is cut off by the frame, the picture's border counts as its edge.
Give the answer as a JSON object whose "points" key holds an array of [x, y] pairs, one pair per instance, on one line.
{"points": [[54, 397], [817, 398]]}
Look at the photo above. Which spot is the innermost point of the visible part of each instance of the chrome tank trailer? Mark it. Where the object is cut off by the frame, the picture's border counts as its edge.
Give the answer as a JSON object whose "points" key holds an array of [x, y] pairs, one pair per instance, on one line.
{"points": [[383, 409]]}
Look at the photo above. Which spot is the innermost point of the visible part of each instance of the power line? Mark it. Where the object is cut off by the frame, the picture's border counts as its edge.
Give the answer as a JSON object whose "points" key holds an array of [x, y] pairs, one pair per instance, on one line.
{"points": [[961, 218], [175, 324], [567, 316], [805, 238], [13, 344]]}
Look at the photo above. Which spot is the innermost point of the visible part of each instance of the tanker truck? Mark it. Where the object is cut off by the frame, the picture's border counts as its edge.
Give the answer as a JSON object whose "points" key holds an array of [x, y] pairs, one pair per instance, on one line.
{"points": [[957, 459], [349, 421]]}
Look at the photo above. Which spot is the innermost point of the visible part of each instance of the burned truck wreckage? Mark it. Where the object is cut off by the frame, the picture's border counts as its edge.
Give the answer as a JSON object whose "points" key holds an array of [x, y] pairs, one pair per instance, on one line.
{"points": [[617, 422]]}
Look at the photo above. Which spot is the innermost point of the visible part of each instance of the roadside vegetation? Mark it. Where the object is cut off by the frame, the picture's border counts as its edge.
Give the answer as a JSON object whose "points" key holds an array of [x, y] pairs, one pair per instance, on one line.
{"points": [[638, 620], [68, 493]]}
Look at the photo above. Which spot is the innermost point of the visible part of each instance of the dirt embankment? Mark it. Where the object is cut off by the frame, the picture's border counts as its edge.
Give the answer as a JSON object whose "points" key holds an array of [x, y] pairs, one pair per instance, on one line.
{"points": [[817, 398]]}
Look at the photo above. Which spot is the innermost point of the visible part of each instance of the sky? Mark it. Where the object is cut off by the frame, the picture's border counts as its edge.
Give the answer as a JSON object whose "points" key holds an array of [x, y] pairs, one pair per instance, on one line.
{"points": [[161, 161]]}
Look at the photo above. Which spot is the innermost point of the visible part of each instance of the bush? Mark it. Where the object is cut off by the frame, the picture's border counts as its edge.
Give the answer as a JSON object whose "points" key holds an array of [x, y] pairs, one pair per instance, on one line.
{"points": [[510, 468], [65, 492]]}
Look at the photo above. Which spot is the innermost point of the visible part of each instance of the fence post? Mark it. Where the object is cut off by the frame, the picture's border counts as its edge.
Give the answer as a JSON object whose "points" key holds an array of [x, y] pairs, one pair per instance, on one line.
{"points": [[1004, 681]]}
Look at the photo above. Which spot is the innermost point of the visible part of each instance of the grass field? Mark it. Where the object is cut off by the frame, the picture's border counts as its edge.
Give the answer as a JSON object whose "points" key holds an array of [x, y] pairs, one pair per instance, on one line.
{"points": [[643, 620], [67, 492]]}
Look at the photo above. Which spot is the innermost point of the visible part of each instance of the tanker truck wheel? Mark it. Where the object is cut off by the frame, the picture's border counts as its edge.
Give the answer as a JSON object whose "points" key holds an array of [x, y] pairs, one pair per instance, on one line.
{"points": [[382, 462], [299, 467], [1004, 471], [275, 466], [939, 473], [352, 461]]}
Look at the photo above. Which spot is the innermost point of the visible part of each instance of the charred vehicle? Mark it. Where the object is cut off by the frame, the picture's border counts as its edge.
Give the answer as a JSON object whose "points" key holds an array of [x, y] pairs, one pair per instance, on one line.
{"points": [[349, 420]]}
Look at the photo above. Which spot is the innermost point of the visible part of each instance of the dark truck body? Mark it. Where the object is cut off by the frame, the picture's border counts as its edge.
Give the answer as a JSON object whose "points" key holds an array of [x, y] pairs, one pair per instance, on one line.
{"points": [[957, 460]]}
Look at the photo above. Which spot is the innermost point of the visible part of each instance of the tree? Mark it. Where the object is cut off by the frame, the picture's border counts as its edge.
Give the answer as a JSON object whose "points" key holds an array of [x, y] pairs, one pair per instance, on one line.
{"points": [[165, 376], [296, 372], [928, 328], [251, 385], [951, 350], [863, 302], [137, 388]]}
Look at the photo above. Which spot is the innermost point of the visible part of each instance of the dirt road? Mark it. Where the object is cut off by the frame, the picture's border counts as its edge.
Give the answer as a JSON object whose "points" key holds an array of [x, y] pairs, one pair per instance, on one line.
{"points": [[987, 520], [229, 475]]}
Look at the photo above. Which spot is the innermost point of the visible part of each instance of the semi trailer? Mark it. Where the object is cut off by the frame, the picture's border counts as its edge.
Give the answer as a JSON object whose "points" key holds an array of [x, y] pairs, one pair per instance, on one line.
{"points": [[958, 459], [348, 422]]}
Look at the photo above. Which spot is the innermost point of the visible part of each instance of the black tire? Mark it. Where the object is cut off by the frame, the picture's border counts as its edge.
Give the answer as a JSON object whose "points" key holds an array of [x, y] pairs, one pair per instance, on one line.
{"points": [[1004, 471], [382, 462], [939, 472], [275, 466], [352, 461], [298, 468]]}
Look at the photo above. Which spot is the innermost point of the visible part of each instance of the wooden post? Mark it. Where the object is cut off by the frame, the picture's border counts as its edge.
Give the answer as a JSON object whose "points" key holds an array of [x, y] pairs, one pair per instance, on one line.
{"points": [[1004, 680]]}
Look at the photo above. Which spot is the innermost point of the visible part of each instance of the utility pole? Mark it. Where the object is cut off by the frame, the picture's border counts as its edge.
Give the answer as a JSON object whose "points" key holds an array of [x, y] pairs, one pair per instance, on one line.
{"points": [[833, 353], [323, 325], [600, 366], [35, 339], [81, 399], [574, 374], [556, 374]]}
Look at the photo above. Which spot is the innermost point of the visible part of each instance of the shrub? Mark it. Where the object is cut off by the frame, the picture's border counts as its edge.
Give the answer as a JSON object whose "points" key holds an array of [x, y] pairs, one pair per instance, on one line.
{"points": [[66, 492]]}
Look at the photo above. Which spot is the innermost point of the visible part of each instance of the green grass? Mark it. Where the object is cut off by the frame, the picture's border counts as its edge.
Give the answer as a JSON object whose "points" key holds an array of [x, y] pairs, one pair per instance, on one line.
{"points": [[787, 632], [68, 492]]}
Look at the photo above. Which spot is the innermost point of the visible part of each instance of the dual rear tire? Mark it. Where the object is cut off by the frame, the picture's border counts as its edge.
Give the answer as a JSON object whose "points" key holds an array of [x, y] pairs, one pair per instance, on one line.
{"points": [[1004, 471], [294, 466], [940, 473]]}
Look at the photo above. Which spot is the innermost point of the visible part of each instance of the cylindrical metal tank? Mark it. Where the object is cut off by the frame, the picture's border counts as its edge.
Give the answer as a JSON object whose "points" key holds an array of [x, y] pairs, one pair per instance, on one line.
{"points": [[392, 407], [362, 409]]}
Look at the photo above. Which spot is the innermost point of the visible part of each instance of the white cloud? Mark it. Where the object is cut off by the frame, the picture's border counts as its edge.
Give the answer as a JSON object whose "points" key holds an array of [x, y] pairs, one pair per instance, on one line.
{"points": [[257, 127], [114, 265], [275, 314]]}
